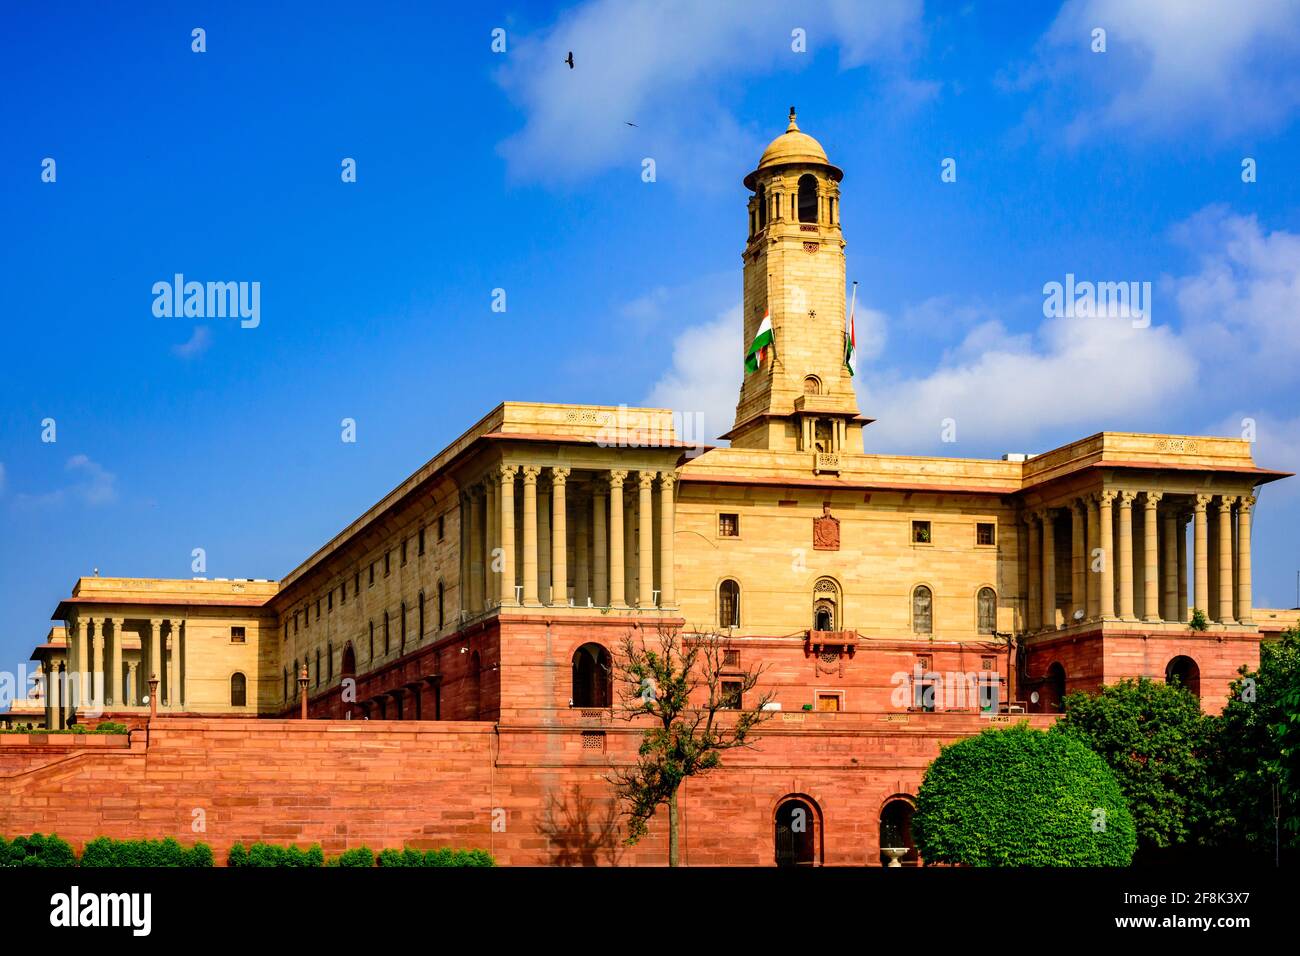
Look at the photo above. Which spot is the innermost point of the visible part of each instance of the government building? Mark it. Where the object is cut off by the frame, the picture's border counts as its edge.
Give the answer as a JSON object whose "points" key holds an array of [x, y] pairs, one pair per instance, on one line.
{"points": [[454, 645]]}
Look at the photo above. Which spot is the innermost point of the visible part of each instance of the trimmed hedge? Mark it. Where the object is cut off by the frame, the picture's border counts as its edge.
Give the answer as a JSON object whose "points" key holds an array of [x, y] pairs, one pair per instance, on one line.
{"points": [[36, 850], [1022, 797], [105, 851], [269, 854], [358, 856], [443, 856], [105, 728]]}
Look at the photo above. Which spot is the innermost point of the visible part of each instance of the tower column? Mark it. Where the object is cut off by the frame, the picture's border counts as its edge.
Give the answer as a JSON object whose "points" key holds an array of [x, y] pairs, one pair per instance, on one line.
{"points": [[1091, 554], [645, 539], [1106, 541], [1125, 548], [530, 473], [559, 538], [1225, 559], [506, 525], [1245, 611], [1151, 556], [667, 517], [617, 588]]}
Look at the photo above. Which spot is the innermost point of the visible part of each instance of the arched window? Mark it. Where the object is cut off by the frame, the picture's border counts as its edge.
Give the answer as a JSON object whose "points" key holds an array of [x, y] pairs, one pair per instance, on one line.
{"points": [[826, 605], [348, 666], [807, 198], [812, 385], [729, 604], [1052, 691], [796, 833], [762, 207], [593, 676], [896, 833], [1183, 671], [238, 690], [987, 610], [922, 610]]}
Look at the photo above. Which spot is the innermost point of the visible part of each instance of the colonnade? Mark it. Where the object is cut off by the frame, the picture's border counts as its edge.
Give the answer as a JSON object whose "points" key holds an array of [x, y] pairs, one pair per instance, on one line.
{"points": [[97, 676], [541, 536], [1128, 561]]}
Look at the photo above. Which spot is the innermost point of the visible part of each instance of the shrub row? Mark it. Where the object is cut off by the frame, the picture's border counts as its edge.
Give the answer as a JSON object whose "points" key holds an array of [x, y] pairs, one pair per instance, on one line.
{"points": [[36, 850], [108, 727], [267, 854], [104, 851], [444, 856]]}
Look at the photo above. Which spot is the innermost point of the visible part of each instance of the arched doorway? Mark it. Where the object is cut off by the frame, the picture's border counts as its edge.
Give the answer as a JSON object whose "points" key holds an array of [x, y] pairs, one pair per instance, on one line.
{"points": [[593, 672], [796, 836], [1051, 694], [1182, 670], [896, 833], [348, 667], [475, 686]]}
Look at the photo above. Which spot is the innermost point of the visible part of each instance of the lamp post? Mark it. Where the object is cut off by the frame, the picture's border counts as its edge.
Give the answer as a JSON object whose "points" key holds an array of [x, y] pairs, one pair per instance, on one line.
{"points": [[302, 690], [153, 696]]}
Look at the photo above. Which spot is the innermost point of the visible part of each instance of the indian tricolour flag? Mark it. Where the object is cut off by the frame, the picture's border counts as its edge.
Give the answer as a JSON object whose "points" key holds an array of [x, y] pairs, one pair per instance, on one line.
{"points": [[761, 346], [850, 337]]}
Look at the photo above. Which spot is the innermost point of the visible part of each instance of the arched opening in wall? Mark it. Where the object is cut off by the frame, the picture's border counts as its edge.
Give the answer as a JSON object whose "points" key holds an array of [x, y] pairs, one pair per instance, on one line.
{"points": [[826, 605], [593, 677], [987, 610], [475, 685], [896, 833], [238, 690], [796, 833], [1052, 692], [762, 207], [922, 610], [1182, 670], [812, 385], [729, 604], [807, 198], [348, 668]]}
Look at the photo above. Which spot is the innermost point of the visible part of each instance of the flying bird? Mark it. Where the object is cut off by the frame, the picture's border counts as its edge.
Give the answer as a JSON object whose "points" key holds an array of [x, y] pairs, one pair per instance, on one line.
{"points": [[569, 59], [632, 124]]}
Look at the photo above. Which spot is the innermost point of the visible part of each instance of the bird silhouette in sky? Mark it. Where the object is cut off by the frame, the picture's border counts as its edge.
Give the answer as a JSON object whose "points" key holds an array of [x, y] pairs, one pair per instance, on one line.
{"points": [[569, 59], [631, 124]]}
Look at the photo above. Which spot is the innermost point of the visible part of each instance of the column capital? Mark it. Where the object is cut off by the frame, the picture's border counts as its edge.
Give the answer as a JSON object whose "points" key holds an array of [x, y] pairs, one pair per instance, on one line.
{"points": [[1152, 498], [506, 473], [1247, 502], [667, 479], [559, 475], [1106, 497], [530, 473], [645, 479], [1201, 502], [1226, 502], [1126, 498], [616, 477]]}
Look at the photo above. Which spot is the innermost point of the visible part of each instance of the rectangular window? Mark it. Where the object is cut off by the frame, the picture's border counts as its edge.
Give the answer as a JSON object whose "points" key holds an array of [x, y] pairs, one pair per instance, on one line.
{"points": [[730, 658], [372, 574], [924, 699], [286, 630], [343, 593], [318, 609], [985, 533], [388, 563], [403, 552], [329, 600], [440, 527], [356, 583], [728, 526], [828, 702], [295, 622], [732, 694], [420, 543], [920, 532], [237, 635]]}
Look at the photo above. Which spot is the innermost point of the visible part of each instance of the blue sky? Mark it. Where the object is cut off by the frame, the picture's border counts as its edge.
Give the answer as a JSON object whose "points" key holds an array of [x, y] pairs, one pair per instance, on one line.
{"points": [[479, 170]]}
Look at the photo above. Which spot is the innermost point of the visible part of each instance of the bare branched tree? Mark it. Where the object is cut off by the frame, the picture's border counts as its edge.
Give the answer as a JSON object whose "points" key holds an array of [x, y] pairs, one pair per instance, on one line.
{"points": [[680, 682]]}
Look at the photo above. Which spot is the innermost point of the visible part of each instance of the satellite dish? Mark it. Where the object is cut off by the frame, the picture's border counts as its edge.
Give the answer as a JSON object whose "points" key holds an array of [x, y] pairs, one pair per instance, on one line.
{"points": [[144, 699], [1078, 615], [1033, 698]]}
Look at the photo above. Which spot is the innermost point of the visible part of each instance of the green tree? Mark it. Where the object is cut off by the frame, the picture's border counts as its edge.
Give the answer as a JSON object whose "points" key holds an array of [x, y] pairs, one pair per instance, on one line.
{"points": [[1155, 738], [677, 681], [1022, 797], [1257, 745]]}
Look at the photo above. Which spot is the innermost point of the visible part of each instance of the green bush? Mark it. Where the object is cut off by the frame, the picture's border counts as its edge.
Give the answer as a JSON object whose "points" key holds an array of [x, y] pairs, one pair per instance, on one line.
{"points": [[36, 850], [358, 856], [104, 851], [444, 856], [1022, 797], [269, 854], [107, 727]]}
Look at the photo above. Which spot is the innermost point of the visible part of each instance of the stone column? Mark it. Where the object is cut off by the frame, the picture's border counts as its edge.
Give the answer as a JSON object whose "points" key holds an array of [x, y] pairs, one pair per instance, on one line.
{"points": [[1078, 572], [1201, 555], [583, 593], [544, 558], [645, 539], [81, 695], [113, 685], [474, 540], [1181, 559], [1049, 570], [599, 546], [133, 682], [530, 473], [491, 542], [617, 587], [667, 528], [506, 529], [1151, 557], [1034, 562], [173, 697], [96, 686], [1125, 549], [1245, 609], [1225, 559], [155, 651], [1106, 541], [1169, 574], [630, 568], [1090, 558], [51, 696], [559, 538]]}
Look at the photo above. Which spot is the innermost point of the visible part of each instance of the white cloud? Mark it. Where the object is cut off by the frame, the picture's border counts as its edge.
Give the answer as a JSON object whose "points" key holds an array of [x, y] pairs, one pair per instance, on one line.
{"points": [[1170, 64], [91, 484], [198, 343], [659, 63], [705, 375]]}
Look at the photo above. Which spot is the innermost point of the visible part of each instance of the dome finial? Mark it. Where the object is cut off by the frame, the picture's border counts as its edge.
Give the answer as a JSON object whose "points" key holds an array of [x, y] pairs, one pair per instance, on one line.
{"points": [[793, 127]]}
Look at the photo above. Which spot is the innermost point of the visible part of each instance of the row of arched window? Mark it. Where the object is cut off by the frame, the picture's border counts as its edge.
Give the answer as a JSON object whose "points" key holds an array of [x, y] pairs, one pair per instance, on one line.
{"points": [[804, 205], [826, 607]]}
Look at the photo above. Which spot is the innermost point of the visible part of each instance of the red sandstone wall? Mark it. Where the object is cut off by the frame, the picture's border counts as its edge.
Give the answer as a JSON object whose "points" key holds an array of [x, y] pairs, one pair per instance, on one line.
{"points": [[428, 784]]}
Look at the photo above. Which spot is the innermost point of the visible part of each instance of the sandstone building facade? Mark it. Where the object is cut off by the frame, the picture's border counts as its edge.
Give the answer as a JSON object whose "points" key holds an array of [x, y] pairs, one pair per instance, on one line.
{"points": [[468, 618]]}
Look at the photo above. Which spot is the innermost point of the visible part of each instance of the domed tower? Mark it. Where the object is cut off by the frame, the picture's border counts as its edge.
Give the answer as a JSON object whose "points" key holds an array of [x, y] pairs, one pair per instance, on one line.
{"points": [[798, 392]]}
